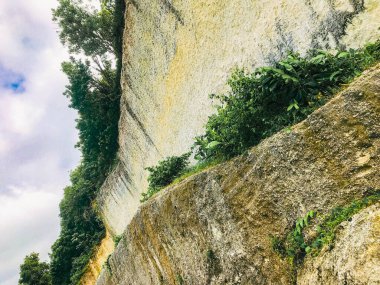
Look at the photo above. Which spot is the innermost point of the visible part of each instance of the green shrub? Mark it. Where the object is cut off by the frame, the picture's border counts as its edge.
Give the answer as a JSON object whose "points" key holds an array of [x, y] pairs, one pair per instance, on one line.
{"points": [[165, 173], [271, 98], [117, 239], [264, 102]]}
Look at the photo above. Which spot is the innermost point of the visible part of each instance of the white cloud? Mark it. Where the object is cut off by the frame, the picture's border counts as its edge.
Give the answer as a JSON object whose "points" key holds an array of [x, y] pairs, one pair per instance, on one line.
{"points": [[28, 222], [4, 144], [20, 114], [37, 133]]}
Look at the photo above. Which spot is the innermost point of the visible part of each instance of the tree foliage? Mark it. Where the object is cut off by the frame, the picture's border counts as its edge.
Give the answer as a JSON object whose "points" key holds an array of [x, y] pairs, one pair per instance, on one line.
{"points": [[94, 91], [34, 272], [81, 229], [85, 29], [97, 103]]}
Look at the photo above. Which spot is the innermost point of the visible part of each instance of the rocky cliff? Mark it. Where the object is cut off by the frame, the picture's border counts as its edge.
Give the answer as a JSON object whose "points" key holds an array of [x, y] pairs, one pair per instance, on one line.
{"points": [[96, 263], [216, 227], [178, 52], [355, 259]]}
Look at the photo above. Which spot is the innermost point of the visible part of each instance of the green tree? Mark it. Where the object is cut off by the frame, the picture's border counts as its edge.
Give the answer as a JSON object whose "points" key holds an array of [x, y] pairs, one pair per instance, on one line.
{"points": [[97, 104], [94, 91], [85, 29], [34, 272]]}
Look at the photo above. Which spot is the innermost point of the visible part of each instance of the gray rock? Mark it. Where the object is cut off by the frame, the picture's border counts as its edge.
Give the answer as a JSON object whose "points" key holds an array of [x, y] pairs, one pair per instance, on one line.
{"points": [[215, 227], [355, 257], [176, 53]]}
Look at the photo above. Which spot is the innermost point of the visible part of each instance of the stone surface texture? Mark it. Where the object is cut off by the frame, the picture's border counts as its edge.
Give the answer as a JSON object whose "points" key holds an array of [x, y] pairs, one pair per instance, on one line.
{"points": [[215, 227], [177, 52], [96, 263], [355, 257]]}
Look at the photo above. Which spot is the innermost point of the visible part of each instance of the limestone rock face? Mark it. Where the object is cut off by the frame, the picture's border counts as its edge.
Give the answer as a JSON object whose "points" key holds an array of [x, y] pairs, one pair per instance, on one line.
{"points": [[177, 52], [215, 227], [355, 258], [95, 265]]}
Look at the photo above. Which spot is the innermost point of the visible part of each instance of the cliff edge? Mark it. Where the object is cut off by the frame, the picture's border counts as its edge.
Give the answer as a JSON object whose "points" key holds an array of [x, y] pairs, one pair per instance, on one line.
{"points": [[176, 53], [216, 227]]}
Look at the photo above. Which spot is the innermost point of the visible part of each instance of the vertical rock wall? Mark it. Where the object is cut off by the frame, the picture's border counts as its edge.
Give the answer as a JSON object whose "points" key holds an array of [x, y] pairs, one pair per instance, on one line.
{"points": [[177, 52], [216, 227], [95, 265]]}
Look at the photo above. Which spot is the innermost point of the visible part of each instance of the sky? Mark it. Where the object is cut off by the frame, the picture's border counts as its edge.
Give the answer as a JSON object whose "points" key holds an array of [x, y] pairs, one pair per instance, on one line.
{"points": [[37, 133]]}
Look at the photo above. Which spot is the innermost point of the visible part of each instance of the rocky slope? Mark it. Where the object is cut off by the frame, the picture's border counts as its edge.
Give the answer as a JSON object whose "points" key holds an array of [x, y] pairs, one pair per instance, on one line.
{"points": [[215, 227], [355, 258], [177, 52]]}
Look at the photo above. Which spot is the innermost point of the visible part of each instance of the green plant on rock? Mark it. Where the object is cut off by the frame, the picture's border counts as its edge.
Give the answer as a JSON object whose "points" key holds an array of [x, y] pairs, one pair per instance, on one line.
{"points": [[326, 229], [213, 265], [165, 173], [295, 244], [264, 102], [295, 247], [108, 265], [272, 98], [180, 280], [194, 169], [186, 172], [117, 239]]}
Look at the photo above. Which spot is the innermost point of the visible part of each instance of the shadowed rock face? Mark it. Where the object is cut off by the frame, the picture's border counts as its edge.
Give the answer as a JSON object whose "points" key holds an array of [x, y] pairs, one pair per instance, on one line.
{"points": [[177, 52], [215, 227]]}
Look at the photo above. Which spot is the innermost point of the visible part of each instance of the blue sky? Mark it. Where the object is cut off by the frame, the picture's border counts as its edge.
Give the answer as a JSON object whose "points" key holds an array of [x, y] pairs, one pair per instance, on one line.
{"points": [[10, 80], [37, 132]]}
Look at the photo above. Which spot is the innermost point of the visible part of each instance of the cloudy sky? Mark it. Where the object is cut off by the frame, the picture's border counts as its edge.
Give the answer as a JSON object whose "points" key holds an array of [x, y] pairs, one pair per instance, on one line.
{"points": [[37, 132]]}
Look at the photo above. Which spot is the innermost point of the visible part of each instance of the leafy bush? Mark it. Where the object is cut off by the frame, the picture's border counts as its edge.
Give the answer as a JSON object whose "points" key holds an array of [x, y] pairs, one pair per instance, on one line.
{"points": [[165, 173], [271, 98], [266, 101]]}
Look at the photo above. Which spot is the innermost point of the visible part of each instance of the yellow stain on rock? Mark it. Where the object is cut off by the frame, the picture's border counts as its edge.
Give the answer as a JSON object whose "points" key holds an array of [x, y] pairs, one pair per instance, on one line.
{"points": [[95, 265]]}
